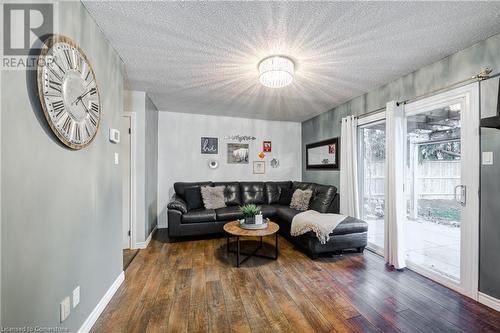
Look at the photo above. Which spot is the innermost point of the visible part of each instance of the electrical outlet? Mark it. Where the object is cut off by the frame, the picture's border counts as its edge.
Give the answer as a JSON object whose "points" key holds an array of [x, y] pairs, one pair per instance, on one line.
{"points": [[76, 296], [117, 158], [65, 309]]}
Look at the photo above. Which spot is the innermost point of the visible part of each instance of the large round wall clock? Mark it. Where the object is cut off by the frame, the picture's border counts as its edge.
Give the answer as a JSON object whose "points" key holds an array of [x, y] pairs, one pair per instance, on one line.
{"points": [[68, 92]]}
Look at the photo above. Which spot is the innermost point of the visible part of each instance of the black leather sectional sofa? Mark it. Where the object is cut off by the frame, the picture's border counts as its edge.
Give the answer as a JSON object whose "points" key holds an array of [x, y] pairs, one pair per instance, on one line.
{"points": [[349, 234]]}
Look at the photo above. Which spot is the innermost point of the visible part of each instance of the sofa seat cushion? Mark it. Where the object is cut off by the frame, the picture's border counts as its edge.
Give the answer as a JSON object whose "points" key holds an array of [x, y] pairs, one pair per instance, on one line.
{"points": [[350, 225], [230, 213], [285, 213], [199, 215], [233, 212]]}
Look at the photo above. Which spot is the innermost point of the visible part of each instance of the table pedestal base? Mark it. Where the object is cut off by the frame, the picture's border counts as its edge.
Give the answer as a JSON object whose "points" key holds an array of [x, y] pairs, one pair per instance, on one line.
{"points": [[254, 253]]}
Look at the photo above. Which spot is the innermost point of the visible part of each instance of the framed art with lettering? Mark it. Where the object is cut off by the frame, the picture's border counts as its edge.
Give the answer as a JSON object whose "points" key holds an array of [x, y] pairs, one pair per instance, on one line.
{"points": [[209, 145]]}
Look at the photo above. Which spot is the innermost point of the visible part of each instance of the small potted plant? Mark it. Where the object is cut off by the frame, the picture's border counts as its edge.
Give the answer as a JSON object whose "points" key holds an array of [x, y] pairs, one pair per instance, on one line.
{"points": [[249, 211]]}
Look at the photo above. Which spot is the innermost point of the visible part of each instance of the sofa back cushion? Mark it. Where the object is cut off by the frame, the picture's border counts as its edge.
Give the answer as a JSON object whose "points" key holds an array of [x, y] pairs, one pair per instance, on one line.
{"points": [[286, 195], [232, 195], [253, 193], [273, 191], [302, 186], [193, 198], [180, 187], [322, 197]]}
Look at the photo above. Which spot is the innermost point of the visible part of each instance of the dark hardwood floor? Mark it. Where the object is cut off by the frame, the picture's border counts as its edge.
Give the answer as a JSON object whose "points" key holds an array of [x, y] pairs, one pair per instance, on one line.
{"points": [[193, 286]]}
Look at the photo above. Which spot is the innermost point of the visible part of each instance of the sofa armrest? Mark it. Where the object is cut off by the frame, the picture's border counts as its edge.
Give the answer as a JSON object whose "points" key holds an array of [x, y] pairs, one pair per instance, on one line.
{"points": [[174, 223], [177, 203]]}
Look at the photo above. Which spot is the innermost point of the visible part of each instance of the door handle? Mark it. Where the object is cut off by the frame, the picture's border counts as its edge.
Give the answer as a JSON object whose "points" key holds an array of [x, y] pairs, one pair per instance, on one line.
{"points": [[462, 197]]}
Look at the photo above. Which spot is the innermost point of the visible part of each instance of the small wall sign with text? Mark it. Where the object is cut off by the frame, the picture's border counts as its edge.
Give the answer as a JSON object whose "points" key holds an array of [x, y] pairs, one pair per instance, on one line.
{"points": [[267, 146], [240, 138], [209, 145]]}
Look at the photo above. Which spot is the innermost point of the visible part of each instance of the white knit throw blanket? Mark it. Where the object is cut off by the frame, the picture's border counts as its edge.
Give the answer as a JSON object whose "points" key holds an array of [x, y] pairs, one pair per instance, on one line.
{"points": [[321, 224]]}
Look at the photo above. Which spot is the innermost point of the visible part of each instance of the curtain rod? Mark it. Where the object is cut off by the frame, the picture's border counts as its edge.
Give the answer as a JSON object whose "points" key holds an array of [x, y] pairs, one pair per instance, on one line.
{"points": [[483, 75], [366, 114]]}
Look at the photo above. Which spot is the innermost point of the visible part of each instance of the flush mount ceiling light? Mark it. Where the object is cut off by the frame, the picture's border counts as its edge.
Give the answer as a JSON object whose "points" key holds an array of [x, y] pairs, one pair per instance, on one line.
{"points": [[276, 71]]}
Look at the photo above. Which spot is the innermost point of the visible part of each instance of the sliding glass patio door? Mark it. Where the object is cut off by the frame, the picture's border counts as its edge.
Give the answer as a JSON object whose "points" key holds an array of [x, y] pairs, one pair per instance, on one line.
{"points": [[371, 169], [441, 188]]}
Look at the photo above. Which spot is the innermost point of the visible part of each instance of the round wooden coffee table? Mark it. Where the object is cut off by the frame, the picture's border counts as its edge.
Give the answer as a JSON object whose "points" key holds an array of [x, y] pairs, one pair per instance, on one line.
{"points": [[233, 229]]}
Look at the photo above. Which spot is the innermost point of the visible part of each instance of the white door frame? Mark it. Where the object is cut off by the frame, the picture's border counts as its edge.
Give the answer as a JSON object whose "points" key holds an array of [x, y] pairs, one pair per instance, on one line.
{"points": [[363, 123], [469, 260], [133, 181]]}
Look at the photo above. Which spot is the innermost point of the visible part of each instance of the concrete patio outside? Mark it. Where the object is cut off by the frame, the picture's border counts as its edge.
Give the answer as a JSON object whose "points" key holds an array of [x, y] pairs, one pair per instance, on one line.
{"points": [[431, 245]]}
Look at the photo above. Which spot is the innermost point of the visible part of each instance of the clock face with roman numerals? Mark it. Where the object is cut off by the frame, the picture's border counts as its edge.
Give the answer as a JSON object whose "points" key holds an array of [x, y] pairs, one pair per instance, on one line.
{"points": [[68, 92]]}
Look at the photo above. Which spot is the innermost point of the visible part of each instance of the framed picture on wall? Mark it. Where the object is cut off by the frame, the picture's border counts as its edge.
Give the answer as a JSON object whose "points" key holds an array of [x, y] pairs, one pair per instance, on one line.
{"points": [[237, 153], [323, 155], [267, 146], [259, 167]]}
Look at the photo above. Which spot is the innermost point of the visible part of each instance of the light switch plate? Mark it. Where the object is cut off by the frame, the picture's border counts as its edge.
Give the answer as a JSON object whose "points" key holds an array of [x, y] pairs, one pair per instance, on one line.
{"points": [[65, 309], [76, 296], [114, 135], [117, 158], [487, 158]]}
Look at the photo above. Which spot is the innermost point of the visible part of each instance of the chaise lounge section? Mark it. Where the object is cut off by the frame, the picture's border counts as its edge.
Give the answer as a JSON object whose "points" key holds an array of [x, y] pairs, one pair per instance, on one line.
{"points": [[349, 234]]}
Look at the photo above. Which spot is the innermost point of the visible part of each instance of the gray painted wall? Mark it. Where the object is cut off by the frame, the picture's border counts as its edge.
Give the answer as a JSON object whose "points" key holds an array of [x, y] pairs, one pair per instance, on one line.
{"points": [[445, 72], [151, 167], [61, 209], [489, 260]]}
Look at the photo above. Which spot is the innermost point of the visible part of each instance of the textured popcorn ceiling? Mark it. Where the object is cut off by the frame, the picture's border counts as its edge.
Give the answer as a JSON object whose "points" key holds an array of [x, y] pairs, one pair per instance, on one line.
{"points": [[202, 57]]}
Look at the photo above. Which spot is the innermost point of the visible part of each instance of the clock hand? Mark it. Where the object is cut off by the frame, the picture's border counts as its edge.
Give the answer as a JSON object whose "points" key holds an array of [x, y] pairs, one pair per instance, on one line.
{"points": [[75, 102], [79, 98], [85, 107]]}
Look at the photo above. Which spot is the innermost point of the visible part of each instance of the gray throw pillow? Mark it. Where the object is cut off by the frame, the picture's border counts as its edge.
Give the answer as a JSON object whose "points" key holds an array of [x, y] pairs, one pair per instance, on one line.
{"points": [[213, 197], [300, 199]]}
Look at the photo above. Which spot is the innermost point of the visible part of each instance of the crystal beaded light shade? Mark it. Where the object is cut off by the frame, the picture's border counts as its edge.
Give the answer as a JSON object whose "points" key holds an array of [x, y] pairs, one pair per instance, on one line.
{"points": [[276, 71]]}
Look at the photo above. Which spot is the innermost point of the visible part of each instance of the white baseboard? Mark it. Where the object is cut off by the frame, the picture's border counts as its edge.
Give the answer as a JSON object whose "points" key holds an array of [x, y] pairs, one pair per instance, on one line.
{"points": [[143, 245], [489, 301], [94, 315]]}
